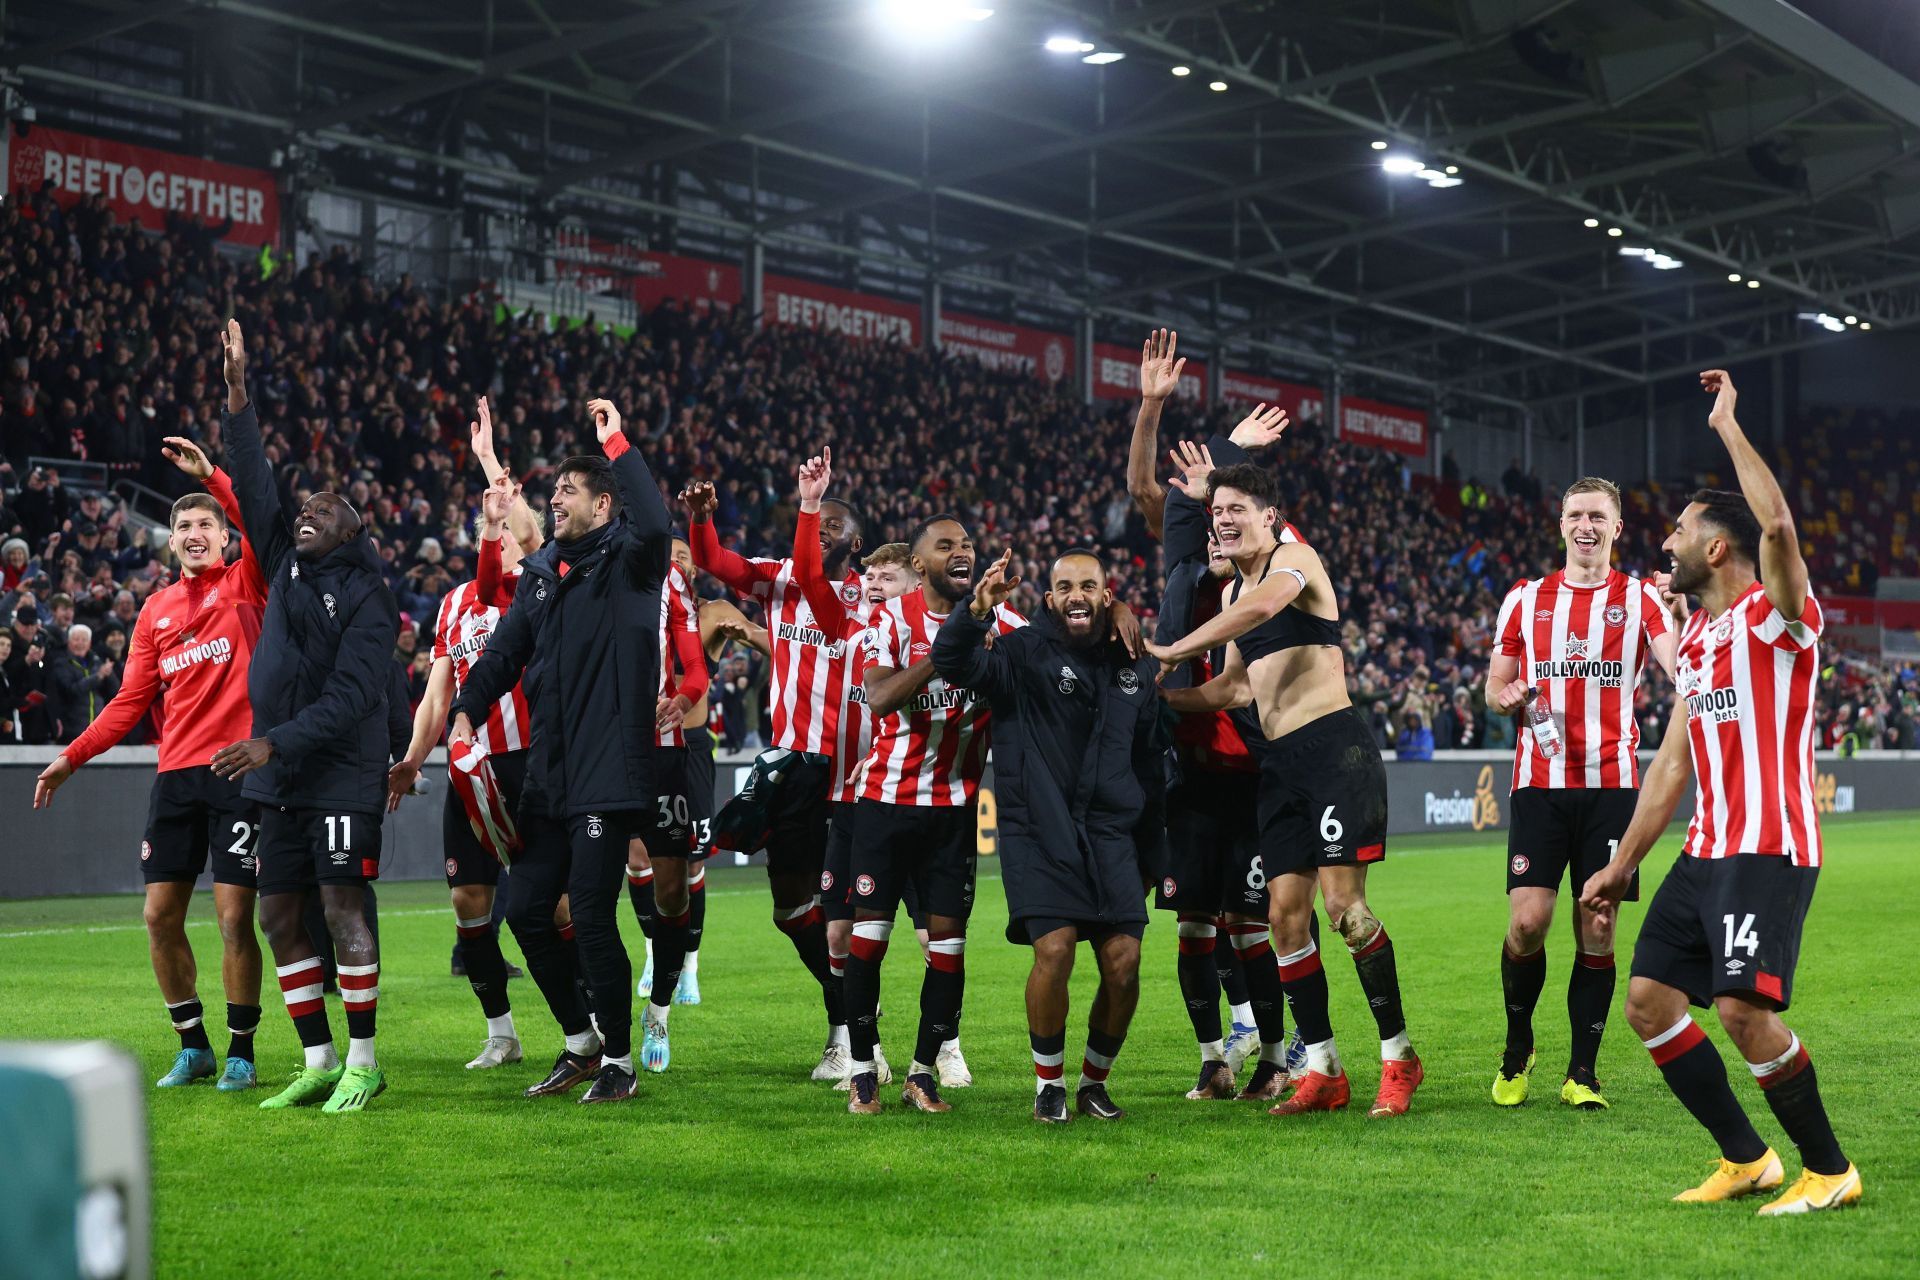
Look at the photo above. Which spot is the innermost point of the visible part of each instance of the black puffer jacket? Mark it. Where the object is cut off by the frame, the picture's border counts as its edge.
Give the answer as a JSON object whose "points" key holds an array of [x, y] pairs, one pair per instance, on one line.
{"points": [[318, 679], [1077, 747], [596, 631]]}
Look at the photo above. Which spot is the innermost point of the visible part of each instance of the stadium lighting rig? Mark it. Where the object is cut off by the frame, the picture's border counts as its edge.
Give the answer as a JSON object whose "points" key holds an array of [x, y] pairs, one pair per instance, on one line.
{"points": [[1400, 165], [1652, 257], [921, 20]]}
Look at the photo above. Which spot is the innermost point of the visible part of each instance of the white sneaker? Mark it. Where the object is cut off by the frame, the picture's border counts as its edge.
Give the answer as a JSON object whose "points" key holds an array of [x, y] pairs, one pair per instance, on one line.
{"points": [[1243, 1042], [498, 1051], [833, 1064], [952, 1066]]}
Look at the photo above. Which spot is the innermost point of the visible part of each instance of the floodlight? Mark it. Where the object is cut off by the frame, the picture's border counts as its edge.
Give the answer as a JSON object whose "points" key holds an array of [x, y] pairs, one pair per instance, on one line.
{"points": [[1615, 231], [1183, 71], [1591, 222], [1379, 144], [1398, 164], [1067, 44], [1733, 277], [1102, 58], [1218, 86], [1753, 284]]}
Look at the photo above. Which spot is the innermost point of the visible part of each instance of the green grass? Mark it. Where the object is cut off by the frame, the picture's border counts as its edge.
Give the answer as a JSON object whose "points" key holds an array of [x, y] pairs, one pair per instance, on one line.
{"points": [[734, 1162]]}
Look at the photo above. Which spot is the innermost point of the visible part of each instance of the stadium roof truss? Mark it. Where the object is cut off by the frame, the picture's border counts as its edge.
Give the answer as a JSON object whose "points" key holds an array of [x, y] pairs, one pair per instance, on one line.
{"points": [[1720, 138]]}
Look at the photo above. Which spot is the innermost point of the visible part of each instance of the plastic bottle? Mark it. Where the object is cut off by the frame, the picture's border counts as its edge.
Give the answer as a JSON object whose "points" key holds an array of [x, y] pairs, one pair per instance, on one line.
{"points": [[1546, 734]]}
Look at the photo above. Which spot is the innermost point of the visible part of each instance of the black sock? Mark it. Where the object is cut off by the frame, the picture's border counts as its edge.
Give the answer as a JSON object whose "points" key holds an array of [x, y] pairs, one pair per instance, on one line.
{"points": [[696, 911], [189, 1020], [1380, 979], [1794, 1094], [862, 1003], [1698, 1078], [1304, 982], [554, 964], [242, 1021], [640, 893], [486, 967], [669, 956], [807, 930], [1589, 996], [1233, 983], [1200, 976], [312, 1028], [1261, 972], [940, 993], [1522, 978]]}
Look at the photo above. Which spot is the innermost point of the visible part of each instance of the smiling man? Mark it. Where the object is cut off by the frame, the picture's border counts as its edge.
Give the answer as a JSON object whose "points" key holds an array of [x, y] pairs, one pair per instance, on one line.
{"points": [[317, 763], [1574, 642]]}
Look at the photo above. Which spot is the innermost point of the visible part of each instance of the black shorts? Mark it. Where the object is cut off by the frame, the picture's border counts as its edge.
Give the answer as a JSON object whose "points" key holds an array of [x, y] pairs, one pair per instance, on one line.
{"points": [[1576, 827], [1213, 846], [1323, 797], [700, 790], [798, 815], [836, 876], [1717, 926], [1038, 927], [301, 848], [671, 829], [934, 851], [193, 813], [468, 861]]}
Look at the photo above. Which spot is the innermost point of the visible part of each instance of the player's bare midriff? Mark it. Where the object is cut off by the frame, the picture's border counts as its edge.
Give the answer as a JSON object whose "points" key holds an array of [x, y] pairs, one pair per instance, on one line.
{"points": [[1295, 687]]}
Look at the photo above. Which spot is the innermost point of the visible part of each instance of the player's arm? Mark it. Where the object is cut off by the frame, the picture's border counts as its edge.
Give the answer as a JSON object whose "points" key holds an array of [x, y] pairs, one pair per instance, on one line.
{"points": [[816, 473], [429, 718], [677, 708], [959, 653], [1665, 646], [490, 587], [1225, 692], [1159, 376], [498, 669], [262, 520], [730, 567], [355, 689], [220, 485], [889, 685], [722, 623], [1782, 570], [1660, 793], [138, 689], [1506, 691], [1293, 567], [480, 439], [631, 476]]}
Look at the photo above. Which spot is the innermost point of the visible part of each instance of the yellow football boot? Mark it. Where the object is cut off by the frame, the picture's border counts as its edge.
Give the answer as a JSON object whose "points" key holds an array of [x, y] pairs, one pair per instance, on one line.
{"points": [[1511, 1091], [1584, 1096], [1730, 1181], [1815, 1191]]}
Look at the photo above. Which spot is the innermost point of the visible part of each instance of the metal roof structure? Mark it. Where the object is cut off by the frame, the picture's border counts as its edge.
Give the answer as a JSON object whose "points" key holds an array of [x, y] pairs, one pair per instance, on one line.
{"points": [[1244, 201]]}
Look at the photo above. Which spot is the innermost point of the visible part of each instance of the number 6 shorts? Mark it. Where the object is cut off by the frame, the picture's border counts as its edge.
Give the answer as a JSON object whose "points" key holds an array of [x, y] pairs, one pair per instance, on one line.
{"points": [[1323, 797], [301, 848]]}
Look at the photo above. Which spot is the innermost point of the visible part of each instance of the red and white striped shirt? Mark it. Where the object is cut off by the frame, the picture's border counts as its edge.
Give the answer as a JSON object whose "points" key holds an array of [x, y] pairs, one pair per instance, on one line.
{"points": [[853, 736], [807, 681], [461, 632], [1583, 647], [1748, 679], [679, 619], [932, 751]]}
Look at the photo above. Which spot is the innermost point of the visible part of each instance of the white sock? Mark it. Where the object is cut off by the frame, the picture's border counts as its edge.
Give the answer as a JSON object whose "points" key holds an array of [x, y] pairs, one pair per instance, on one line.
{"points": [[649, 942], [692, 964], [919, 1068], [583, 1045], [1398, 1047], [1322, 1058], [656, 1014], [321, 1057], [838, 1035], [501, 1028], [1211, 1051], [950, 1046], [1274, 1053], [624, 1062], [359, 1052], [858, 1068], [1243, 1015]]}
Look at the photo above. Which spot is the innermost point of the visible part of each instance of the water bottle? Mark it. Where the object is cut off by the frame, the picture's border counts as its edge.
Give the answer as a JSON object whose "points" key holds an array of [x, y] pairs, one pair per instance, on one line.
{"points": [[1546, 734]]}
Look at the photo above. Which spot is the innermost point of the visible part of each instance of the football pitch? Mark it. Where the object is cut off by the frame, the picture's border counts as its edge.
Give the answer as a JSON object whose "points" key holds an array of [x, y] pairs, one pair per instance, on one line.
{"points": [[733, 1162]]}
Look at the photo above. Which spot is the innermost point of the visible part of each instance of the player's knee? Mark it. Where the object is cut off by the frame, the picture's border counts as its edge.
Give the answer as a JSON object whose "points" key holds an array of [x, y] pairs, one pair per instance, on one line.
{"points": [[1745, 1018], [1355, 922], [1054, 952], [236, 928], [165, 918], [1649, 1008]]}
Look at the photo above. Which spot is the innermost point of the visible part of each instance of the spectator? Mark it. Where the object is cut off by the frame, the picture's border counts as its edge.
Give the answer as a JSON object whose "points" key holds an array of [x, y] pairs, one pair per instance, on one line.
{"points": [[1415, 741], [79, 684], [1457, 727]]}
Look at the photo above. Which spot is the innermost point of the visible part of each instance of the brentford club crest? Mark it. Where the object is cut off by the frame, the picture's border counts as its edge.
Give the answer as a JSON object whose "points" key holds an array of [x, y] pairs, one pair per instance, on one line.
{"points": [[849, 593], [1520, 864], [1168, 887], [452, 868], [864, 886], [146, 851], [1616, 615], [826, 881]]}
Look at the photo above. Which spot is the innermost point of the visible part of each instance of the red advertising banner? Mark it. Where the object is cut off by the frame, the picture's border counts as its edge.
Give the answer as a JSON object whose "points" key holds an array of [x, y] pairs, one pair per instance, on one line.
{"points": [[1302, 403], [1888, 628], [1383, 426], [1008, 348], [602, 266], [807, 305], [1116, 375], [139, 182]]}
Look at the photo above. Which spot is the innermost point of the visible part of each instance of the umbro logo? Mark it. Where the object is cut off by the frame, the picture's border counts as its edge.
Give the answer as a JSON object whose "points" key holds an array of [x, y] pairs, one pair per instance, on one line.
{"points": [[1332, 848], [1543, 615], [340, 857], [1735, 966]]}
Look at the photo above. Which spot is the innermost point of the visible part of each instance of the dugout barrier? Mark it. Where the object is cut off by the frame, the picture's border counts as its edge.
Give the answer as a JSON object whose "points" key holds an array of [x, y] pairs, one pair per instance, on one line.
{"points": [[89, 841]]}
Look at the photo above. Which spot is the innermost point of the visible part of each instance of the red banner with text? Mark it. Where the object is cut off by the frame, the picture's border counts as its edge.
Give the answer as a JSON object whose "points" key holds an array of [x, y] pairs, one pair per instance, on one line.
{"points": [[1302, 403], [139, 182], [602, 266], [1008, 348], [806, 305], [1383, 426], [1116, 375]]}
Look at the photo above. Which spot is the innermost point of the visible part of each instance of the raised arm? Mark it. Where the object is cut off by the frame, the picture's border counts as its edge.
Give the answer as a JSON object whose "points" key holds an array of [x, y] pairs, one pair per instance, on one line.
{"points": [[646, 512], [1159, 376], [193, 462], [735, 570], [722, 623], [490, 586], [262, 519], [1782, 571], [823, 597], [959, 654], [480, 439]]}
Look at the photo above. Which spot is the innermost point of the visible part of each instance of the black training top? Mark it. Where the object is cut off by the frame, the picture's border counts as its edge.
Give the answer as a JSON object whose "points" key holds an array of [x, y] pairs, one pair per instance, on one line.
{"points": [[1291, 628]]}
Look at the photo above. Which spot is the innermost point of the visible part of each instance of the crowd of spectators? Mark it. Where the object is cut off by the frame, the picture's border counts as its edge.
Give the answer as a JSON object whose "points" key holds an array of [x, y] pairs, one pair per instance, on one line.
{"points": [[109, 336]]}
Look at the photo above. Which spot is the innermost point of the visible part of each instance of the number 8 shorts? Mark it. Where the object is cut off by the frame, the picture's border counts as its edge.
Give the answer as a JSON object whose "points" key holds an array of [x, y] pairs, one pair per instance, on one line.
{"points": [[1323, 797]]}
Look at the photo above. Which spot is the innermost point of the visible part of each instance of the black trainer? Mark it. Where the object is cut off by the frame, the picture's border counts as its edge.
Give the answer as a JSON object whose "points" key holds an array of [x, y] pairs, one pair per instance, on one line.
{"points": [[613, 1084], [1216, 1082], [569, 1070], [1092, 1100], [1269, 1081], [1050, 1104], [922, 1092]]}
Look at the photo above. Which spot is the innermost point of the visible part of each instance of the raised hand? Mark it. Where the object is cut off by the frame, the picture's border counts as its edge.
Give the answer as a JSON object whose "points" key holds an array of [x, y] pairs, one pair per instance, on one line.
{"points": [[816, 473], [1261, 427], [606, 419], [480, 437], [235, 348], [1719, 384], [1675, 601], [1195, 465], [995, 585], [495, 502], [188, 456], [1159, 371], [700, 500]]}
